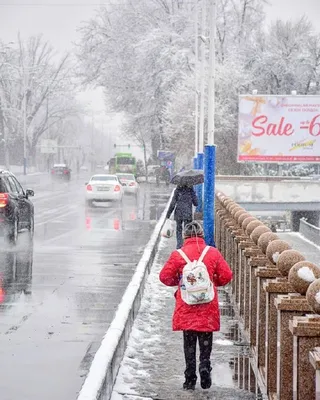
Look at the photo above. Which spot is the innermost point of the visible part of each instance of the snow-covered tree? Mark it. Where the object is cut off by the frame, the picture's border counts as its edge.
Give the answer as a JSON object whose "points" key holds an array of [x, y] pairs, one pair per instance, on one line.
{"points": [[34, 86]]}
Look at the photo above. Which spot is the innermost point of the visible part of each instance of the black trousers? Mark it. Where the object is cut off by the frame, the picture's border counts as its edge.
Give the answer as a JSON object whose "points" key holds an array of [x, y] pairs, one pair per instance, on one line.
{"points": [[180, 224], [190, 344]]}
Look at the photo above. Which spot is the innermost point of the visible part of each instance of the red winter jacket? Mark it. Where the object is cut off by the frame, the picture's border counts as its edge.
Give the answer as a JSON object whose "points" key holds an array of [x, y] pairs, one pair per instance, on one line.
{"points": [[201, 317]]}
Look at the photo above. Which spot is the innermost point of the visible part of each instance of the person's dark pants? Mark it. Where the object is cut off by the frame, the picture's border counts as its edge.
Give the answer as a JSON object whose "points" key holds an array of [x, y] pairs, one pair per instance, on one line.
{"points": [[180, 224], [190, 344]]}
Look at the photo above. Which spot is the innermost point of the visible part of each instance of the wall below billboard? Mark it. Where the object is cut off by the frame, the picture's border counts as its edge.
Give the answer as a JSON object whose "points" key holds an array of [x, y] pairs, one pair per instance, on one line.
{"points": [[280, 129]]}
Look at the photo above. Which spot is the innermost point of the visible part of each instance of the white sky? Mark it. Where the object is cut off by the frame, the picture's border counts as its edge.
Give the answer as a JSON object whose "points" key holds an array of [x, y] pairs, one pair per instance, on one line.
{"points": [[58, 21]]}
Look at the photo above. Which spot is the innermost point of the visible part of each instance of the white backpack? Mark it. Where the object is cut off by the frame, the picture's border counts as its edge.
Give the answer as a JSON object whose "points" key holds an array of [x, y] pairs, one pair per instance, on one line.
{"points": [[196, 286]]}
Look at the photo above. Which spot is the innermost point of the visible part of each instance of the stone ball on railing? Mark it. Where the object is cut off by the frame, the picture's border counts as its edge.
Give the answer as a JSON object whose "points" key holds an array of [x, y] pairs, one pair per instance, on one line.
{"points": [[238, 214], [247, 221], [275, 248], [265, 239], [252, 226], [243, 217], [313, 296], [227, 201], [231, 206], [235, 210], [287, 259], [302, 274], [258, 231]]}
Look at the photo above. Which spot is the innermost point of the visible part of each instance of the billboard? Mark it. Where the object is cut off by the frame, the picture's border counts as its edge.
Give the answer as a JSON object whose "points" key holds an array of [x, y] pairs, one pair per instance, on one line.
{"points": [[280, 129]]}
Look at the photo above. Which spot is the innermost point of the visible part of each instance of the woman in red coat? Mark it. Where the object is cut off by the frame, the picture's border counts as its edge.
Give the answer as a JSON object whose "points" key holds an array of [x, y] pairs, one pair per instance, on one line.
{"points": [[196, 321]]}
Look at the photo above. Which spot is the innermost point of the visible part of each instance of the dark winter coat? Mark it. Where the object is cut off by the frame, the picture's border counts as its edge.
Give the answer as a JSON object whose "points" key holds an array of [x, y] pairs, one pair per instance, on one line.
{"points": [[183, 199], [201, 317]]}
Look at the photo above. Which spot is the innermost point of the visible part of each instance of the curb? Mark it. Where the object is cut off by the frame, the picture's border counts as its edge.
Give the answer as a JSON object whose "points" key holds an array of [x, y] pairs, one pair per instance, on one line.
{"points": [[101, 377]]}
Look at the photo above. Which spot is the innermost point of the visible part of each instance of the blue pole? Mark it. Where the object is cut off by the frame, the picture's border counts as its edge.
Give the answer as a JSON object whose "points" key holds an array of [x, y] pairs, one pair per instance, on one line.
{"points": [[195, 163], [209, 192], [199, 187]]}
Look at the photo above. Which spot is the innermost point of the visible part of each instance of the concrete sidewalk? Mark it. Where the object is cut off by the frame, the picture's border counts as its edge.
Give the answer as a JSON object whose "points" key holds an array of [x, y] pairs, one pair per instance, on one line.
{"points": [[153, 365]]}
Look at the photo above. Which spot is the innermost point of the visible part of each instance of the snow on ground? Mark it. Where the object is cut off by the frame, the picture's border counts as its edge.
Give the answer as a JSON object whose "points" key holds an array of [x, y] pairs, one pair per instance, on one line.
{"points": [[153, 364]]}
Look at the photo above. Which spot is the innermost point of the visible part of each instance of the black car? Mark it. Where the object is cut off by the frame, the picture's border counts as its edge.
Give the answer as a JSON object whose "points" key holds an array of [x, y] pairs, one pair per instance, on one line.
{"points": [[16, 209], [61, 172]]}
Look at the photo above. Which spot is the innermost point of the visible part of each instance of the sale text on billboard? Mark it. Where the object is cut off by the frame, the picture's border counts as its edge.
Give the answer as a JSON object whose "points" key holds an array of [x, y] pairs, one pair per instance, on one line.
{"points": [[279, 129]]}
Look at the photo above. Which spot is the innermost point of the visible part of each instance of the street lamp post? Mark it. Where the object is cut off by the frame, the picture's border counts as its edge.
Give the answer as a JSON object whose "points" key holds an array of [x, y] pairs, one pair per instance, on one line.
{"points": [[210, 148], [202, 102]]}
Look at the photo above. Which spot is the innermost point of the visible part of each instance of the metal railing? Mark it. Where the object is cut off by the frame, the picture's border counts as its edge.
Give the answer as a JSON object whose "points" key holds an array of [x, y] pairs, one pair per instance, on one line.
{"points": [[309, 231]]}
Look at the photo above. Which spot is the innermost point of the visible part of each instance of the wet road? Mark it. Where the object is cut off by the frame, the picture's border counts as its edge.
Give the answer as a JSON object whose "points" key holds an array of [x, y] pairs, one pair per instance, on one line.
{"points": [[57, 301]]}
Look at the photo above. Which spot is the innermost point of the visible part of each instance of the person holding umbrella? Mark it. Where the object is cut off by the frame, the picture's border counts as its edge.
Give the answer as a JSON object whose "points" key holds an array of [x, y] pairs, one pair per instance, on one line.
{"points": [[183, 199]]}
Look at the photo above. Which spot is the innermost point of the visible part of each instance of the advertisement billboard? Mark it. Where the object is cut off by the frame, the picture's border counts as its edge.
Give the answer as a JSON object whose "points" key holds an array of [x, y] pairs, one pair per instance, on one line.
{"points": [[280, 129]]}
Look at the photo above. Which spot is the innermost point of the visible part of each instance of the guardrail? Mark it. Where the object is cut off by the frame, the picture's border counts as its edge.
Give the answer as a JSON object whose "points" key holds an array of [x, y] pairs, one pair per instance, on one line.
{"points": [[275, 293], [99, 382], [309, 231]]}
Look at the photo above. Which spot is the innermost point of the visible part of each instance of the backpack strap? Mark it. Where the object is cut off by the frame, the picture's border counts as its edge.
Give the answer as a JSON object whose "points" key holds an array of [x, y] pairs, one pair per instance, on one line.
{"points": [[205, 250], [183, 255]]}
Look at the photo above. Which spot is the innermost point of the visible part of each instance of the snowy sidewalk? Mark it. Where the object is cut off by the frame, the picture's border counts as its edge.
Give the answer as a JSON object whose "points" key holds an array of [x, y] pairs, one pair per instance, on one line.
{"points": [[153, 365]]}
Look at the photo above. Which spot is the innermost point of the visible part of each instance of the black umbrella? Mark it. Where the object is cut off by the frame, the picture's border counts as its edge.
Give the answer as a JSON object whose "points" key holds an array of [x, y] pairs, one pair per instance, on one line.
{"points": [[190, 177]]}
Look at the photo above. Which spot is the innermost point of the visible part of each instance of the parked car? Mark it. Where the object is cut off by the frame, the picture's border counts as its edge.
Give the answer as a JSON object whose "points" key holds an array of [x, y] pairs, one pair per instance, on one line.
{"points": [[16, 209], [61, 171], [129, 183], [102, 188]]}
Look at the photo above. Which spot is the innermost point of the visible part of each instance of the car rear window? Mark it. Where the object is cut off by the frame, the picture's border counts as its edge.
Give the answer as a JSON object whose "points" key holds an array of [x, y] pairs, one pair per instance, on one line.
{"points": [[126, 176], [3, 186], [104, 178]]}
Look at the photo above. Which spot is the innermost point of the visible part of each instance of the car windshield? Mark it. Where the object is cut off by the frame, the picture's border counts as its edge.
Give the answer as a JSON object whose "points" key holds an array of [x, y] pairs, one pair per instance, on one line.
{"points": [[104, 178], [128, 177]]}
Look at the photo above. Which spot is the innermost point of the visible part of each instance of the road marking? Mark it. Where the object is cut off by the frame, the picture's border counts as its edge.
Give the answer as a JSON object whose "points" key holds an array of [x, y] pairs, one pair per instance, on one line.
{"points": [[72, 230]]}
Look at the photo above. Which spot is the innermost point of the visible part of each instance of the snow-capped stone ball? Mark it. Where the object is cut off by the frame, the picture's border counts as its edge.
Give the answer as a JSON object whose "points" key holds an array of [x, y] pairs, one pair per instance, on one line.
{"points": [[243, 217], [265, 239], [287, 259], [258, 231], [252, 226], [313, 296], [275, 248], [302, 274], [247, 221]]}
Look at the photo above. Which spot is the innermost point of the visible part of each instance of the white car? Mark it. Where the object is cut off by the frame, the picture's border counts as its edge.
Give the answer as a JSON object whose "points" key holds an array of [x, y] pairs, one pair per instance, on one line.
{"points": [[103, 188], [129, 183]]}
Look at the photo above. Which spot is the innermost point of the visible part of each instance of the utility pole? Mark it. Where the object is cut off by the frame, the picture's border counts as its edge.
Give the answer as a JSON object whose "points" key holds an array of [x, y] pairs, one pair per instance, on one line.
{"points": [[199, 163], [202, 76], [212, 65], [210, 148]]}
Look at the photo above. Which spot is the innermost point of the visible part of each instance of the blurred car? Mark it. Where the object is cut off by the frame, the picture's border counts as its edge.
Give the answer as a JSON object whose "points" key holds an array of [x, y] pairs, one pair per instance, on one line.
{"points": [[84, 168], [102, 187], [129, 183], [16, 209], [61, 171]]}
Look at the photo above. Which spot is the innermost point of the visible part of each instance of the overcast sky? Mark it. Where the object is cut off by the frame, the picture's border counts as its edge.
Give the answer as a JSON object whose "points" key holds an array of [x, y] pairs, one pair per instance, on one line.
{"points": [[58, 20]]}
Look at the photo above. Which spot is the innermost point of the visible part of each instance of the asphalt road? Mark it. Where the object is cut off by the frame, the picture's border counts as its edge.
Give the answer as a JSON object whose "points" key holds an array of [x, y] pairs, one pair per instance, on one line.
{"points": [[57, 301]]}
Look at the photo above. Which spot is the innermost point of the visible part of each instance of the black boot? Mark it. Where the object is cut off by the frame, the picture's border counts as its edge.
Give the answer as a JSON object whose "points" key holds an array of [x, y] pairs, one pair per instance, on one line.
{"points": [[205, 377], [189, 384]]}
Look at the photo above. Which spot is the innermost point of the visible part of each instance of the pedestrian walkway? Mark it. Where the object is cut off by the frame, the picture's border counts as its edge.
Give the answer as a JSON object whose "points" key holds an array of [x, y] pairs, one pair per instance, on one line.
{"points": [[153, 365]]}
